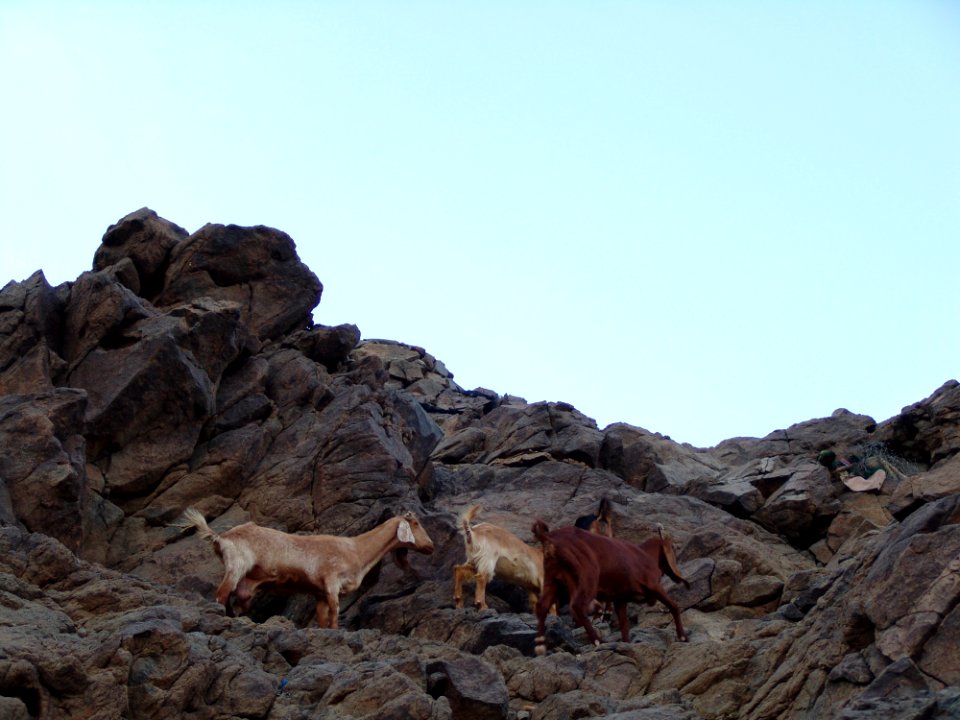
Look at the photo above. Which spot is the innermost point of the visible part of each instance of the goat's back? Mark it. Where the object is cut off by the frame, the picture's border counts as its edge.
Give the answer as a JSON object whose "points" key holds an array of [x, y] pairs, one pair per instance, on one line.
{"points": [[276, 550], [617, 567], [493, 550]]}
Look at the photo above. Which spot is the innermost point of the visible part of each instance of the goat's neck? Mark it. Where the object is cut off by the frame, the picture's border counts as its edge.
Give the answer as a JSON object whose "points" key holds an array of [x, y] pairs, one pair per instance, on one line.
{"points": [[374, 544]]}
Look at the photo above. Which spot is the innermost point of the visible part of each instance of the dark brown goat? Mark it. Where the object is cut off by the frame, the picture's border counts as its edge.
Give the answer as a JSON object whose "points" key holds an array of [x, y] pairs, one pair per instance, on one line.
{"points": [[592, 567]]}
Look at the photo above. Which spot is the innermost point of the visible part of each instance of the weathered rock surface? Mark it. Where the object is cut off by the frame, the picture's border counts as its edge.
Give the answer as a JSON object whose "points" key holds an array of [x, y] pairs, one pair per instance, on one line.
{"points": [[146, 241], [256, 268], [186, 370]]}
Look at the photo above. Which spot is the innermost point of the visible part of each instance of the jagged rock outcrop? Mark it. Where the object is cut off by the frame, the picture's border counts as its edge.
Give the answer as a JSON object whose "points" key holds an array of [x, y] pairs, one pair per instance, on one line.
{"points": [[144, 240], [186, 370], [31, 335], [42, 466], [256, 268], [927, 432]]}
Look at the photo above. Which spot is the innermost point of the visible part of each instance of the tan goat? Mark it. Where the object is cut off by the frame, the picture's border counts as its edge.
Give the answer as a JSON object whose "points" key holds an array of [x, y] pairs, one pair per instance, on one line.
{"points": [[325, 566], [495, 552]]}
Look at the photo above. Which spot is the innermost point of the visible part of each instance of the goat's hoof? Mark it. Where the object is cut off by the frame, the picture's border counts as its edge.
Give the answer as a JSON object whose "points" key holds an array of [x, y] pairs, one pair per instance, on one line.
{"points": [[541, 645]]}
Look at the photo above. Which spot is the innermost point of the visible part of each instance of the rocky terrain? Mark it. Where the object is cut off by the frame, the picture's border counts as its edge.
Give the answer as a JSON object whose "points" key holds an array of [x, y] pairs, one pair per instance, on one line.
{"points": [[186, 370]]}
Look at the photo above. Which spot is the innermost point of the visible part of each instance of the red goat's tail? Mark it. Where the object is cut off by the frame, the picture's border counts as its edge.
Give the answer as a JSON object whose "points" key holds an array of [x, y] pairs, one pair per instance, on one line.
{"points": [[540, 531]]}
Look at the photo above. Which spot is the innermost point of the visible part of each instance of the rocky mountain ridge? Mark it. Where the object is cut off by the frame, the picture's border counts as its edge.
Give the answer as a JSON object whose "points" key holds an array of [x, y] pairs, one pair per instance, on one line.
{"points": [[185, 370]]}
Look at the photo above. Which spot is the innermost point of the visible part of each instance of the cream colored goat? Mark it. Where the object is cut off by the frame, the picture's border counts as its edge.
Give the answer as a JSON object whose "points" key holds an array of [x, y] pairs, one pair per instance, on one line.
{"points": [[325, 566], [495, 552]]}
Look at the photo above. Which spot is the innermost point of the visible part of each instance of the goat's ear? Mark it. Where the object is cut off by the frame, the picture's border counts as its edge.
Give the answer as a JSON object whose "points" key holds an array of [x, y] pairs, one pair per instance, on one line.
{"points": [[404, 533]]}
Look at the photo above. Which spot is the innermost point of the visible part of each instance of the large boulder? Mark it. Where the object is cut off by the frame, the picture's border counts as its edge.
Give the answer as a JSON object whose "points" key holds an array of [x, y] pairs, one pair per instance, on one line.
{"points": [[147, 240], [654, 463], [427, 379], [473, 688], [518, 433], [255, 267], [42, 467], [329, 346], [31, 335], [943, 480], [928, 431], [842, 430], [99, 312], [804, 506], [152, 388]]}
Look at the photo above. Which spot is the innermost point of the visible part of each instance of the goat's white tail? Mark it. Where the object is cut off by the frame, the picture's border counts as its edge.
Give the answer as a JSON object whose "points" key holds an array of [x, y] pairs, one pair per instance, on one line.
{"points": [[194, 518], [466, 518]]}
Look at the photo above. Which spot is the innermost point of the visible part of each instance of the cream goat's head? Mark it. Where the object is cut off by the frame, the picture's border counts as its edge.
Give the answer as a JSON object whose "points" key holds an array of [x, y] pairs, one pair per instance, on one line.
{"points": [[412, 535]]}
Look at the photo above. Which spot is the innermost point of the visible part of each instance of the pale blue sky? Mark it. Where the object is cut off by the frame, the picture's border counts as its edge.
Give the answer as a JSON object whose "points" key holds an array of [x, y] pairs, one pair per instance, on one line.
{"points": [[706, 219]]}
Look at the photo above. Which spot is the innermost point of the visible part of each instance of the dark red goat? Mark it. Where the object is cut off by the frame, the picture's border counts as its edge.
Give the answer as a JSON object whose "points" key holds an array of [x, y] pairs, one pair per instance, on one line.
{"points": [[592, 567]]}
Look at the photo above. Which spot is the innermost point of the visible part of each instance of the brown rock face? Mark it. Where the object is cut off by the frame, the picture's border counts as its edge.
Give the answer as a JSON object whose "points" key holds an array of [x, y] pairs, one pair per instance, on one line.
{"points": [[256, 268], [31, 334], [185, 370], [42, 468], [145, 239], [928, 431]]}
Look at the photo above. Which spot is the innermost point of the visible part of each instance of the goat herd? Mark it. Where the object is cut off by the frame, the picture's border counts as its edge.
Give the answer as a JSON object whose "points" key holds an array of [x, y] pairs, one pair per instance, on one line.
{"points": [[583, 562]]}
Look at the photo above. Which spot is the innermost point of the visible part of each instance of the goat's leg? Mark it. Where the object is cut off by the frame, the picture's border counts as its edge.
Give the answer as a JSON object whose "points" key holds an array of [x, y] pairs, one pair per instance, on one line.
{"points": [[244, 594], [674, 609], [607, 611], [601, 611], [480, 593], [226, 589], [580, 604], [227, 603], [321, 612], [333, 604], [621, 607], [547, 599], [535, 598], [458, 586], [461, 573]]}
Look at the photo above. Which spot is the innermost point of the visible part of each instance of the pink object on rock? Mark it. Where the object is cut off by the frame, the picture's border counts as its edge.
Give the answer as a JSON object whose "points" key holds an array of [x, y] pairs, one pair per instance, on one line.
{"points": [[860, 484]]}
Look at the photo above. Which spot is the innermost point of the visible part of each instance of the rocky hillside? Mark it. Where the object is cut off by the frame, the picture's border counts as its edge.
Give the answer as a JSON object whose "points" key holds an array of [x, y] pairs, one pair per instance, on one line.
{"points": [[185, 370]]}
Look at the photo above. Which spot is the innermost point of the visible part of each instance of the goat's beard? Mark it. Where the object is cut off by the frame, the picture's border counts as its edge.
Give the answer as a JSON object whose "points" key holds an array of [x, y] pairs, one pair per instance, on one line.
{"points": [[400, 558]]}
